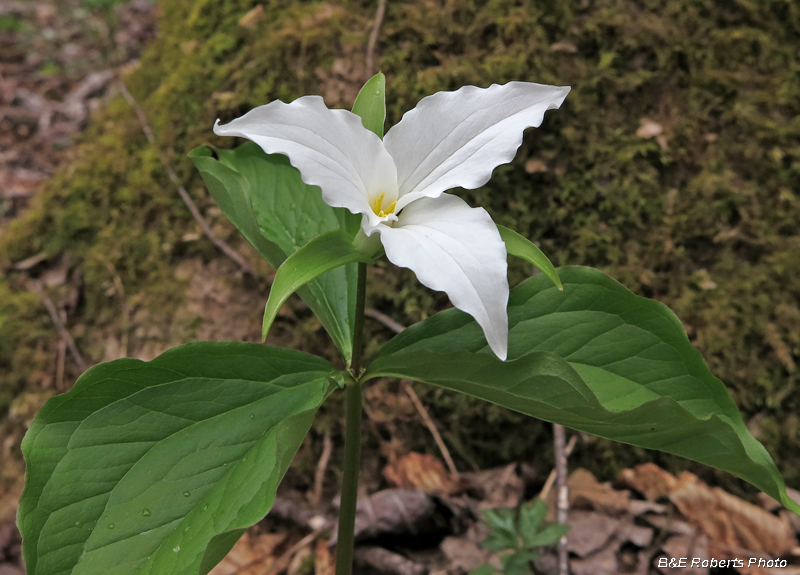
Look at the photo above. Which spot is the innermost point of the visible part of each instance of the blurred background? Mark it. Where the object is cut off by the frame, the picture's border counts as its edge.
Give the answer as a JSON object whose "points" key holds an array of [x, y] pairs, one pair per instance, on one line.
{"points": [[673, 166]]}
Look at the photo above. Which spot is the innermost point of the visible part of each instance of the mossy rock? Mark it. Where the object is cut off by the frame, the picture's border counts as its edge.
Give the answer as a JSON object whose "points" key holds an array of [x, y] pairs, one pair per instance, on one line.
{"points": [[673, 166]]}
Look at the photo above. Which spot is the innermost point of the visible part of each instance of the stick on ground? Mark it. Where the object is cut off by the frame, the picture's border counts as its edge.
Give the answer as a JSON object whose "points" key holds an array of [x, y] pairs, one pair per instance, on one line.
{"points": [[148, 132]]}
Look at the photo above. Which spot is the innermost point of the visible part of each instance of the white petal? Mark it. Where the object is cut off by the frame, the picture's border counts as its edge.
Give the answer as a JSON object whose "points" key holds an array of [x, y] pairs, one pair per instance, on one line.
{"points": [[331, 148], [455, 249], [456, 139]]}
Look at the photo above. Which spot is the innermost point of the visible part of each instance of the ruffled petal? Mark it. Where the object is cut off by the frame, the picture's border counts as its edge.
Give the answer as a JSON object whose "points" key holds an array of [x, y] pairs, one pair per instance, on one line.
{"points": [[331, 148], [456, 249], [456, 139]]}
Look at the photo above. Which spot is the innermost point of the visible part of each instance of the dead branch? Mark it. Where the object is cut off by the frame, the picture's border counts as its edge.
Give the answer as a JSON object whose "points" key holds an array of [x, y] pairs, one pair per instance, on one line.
{"points": [[373, 36], [562, 501], [148, 132], [432, 428], [62, 329], [322, 466], [396, 327], [551, 479]]}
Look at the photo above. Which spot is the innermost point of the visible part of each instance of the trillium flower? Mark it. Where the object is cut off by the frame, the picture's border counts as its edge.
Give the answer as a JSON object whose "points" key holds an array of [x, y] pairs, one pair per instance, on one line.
{"points": [[451, 139]]}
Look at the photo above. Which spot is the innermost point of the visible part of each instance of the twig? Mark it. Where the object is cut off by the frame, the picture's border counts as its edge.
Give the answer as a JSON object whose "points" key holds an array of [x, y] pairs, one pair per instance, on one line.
{"points": [[373, 36], [319, 474], [148, 132], [62, 330], [551, 479], [384, 319], [61, 357], [432, 428], [562, 501], [126, 315]]}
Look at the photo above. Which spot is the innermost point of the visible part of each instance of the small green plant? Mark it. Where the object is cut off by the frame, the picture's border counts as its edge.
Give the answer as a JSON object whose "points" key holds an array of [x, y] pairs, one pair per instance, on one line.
{"points": [[516, 535]]}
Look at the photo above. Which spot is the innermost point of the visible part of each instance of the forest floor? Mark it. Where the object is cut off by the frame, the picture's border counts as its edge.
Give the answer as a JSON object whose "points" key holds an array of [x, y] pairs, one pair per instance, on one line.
{"points": [[58, 62]]}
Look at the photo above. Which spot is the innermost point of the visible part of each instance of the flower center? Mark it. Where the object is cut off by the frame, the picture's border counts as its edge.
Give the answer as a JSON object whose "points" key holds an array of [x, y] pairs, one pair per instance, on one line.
{"points": [[377, 206]]}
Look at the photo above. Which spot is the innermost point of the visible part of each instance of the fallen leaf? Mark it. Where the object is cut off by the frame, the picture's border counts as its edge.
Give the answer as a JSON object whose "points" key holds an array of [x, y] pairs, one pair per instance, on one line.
{"points": [[252, 555], [649, 480], [585, 492], [497, 487], [417, 470]]}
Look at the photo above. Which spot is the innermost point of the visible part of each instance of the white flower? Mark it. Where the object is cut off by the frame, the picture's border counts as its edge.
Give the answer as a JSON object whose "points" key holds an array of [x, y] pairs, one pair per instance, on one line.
{"points": [[451, 139]]}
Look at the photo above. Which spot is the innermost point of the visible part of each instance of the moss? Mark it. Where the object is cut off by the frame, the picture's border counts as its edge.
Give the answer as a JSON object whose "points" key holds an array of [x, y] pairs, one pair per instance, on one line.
{"points": [[704, 218]]}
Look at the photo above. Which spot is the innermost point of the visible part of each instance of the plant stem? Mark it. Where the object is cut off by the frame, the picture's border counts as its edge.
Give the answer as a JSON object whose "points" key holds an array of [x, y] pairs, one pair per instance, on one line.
{"points": [[358, 323], [352, 437]]}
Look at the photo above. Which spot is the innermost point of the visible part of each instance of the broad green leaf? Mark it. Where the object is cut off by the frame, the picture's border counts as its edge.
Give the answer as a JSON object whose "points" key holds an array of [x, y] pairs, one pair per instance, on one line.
{"points": [[370, 104], [322, 254], [484, 569], [264, 197], [147, 468], [518, 563], [231, 192], [521, 247], [531, 516], [502, 531], [549, 535], [596, 358]]}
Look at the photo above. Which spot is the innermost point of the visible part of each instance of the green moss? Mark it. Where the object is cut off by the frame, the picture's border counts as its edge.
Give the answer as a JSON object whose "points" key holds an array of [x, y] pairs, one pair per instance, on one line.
{"points": [[705, 221]]}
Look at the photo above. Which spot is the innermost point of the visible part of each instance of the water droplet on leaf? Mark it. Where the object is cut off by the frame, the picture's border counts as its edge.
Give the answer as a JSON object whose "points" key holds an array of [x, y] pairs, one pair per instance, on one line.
{"points": [[205, 507], [377, 92], [111, 526], [176, 548], [146, 512], [77, 524], [252, 416], [186, 494]]}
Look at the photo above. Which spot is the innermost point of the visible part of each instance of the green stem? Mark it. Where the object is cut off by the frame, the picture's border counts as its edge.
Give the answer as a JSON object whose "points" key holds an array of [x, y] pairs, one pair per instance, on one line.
{"points": [[352, 437]]}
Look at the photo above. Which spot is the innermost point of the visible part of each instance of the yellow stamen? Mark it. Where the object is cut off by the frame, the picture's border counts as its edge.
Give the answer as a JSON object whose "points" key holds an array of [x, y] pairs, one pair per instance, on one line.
{"points": [[377, 207]]}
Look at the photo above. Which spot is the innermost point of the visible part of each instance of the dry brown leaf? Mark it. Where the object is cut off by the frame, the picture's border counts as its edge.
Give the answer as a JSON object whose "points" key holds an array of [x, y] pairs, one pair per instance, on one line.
{"points": [[420, 471], [731, 521], [585, 492], [728, 521], [590, 531], [689, 546], [649, 480], [252, 555], [497, 487], [464, 555]]}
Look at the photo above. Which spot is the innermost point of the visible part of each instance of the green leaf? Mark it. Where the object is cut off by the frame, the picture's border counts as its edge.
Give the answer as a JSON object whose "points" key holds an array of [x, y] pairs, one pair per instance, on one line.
{"points": [[518, 563], [531, 516], [156, 467], [231, 192], [550, 535], [264, 197], [521, 247], [502, 531], [322, 254], [596, 358], [484, 569], [370, 104]]}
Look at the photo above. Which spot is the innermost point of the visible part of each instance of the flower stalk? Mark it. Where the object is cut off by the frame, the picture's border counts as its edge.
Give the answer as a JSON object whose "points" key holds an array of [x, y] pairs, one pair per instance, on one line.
{"points": [[352, 437]]}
